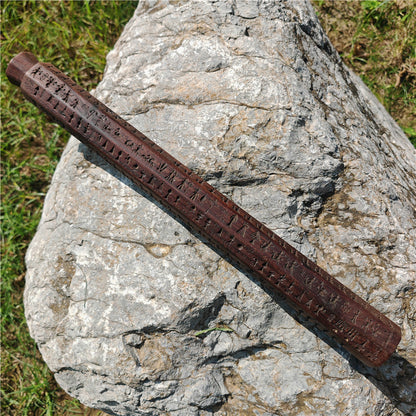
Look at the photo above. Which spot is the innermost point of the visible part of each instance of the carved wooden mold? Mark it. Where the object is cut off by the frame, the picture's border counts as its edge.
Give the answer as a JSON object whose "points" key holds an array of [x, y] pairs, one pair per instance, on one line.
{"points": [[360, 328]]}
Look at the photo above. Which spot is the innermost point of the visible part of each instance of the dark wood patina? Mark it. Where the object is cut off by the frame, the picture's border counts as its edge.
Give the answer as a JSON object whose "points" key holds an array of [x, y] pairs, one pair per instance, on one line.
{"points": [[360, 328]]}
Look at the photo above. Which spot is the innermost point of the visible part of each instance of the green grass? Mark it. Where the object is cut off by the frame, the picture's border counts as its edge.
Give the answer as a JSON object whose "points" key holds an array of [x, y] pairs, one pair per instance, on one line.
{"points": [[75, 36], [208, 330], [377, 39]]}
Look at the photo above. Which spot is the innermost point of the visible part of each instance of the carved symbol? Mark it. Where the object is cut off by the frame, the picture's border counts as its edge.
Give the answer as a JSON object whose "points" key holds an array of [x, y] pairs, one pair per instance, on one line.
{"points": [[171, 176]]}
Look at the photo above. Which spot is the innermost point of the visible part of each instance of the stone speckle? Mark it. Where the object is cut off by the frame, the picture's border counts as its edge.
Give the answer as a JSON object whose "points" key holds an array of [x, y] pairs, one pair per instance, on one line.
{"points": [[251, 95]]}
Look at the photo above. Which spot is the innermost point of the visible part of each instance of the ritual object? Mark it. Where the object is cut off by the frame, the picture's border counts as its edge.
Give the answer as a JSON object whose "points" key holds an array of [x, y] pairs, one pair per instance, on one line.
{"points": [[248, 244]]}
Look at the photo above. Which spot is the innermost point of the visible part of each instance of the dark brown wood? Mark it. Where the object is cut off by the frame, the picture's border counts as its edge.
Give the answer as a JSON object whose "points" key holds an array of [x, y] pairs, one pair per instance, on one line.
{"points": [[360, 328]]}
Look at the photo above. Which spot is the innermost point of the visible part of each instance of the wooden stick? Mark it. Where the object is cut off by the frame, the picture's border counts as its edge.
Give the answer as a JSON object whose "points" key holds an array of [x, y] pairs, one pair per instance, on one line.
{"points": [[360, 328]]}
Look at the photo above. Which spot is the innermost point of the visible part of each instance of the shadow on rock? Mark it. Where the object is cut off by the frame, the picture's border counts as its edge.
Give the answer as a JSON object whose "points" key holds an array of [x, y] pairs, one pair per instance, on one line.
{"points": [[396, 378]]}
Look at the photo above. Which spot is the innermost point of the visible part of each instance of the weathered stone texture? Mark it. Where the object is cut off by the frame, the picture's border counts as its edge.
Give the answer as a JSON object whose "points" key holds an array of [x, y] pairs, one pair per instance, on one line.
{"points": [[251, 95]]}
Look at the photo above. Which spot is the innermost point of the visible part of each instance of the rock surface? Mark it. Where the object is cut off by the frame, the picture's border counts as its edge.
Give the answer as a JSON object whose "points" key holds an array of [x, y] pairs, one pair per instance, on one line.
{"points": [[253, 97]]}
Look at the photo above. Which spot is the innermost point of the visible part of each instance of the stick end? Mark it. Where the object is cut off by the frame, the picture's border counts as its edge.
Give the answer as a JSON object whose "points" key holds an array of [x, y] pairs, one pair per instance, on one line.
{"points": [[19, 65]]}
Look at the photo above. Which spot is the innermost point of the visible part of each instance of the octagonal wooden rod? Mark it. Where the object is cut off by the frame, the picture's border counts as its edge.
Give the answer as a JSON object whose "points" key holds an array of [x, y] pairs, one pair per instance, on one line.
{"points": [[360, 328]]}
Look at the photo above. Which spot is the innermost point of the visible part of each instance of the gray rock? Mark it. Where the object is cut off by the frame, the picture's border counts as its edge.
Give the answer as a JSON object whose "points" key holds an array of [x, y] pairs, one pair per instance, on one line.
{"points": [[253, 97]]}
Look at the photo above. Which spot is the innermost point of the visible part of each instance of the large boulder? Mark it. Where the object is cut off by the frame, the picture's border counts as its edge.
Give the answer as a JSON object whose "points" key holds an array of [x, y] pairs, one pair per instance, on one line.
{"points": [[136, 316]]}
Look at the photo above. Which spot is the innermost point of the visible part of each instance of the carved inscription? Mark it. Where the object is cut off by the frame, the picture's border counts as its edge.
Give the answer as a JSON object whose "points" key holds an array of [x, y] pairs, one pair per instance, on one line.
{"points": [[250, 244]]}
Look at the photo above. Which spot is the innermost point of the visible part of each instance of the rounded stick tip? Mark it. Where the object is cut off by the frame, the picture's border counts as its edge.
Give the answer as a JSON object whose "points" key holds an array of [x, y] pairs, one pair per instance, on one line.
{"points": [[19, 65]]}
